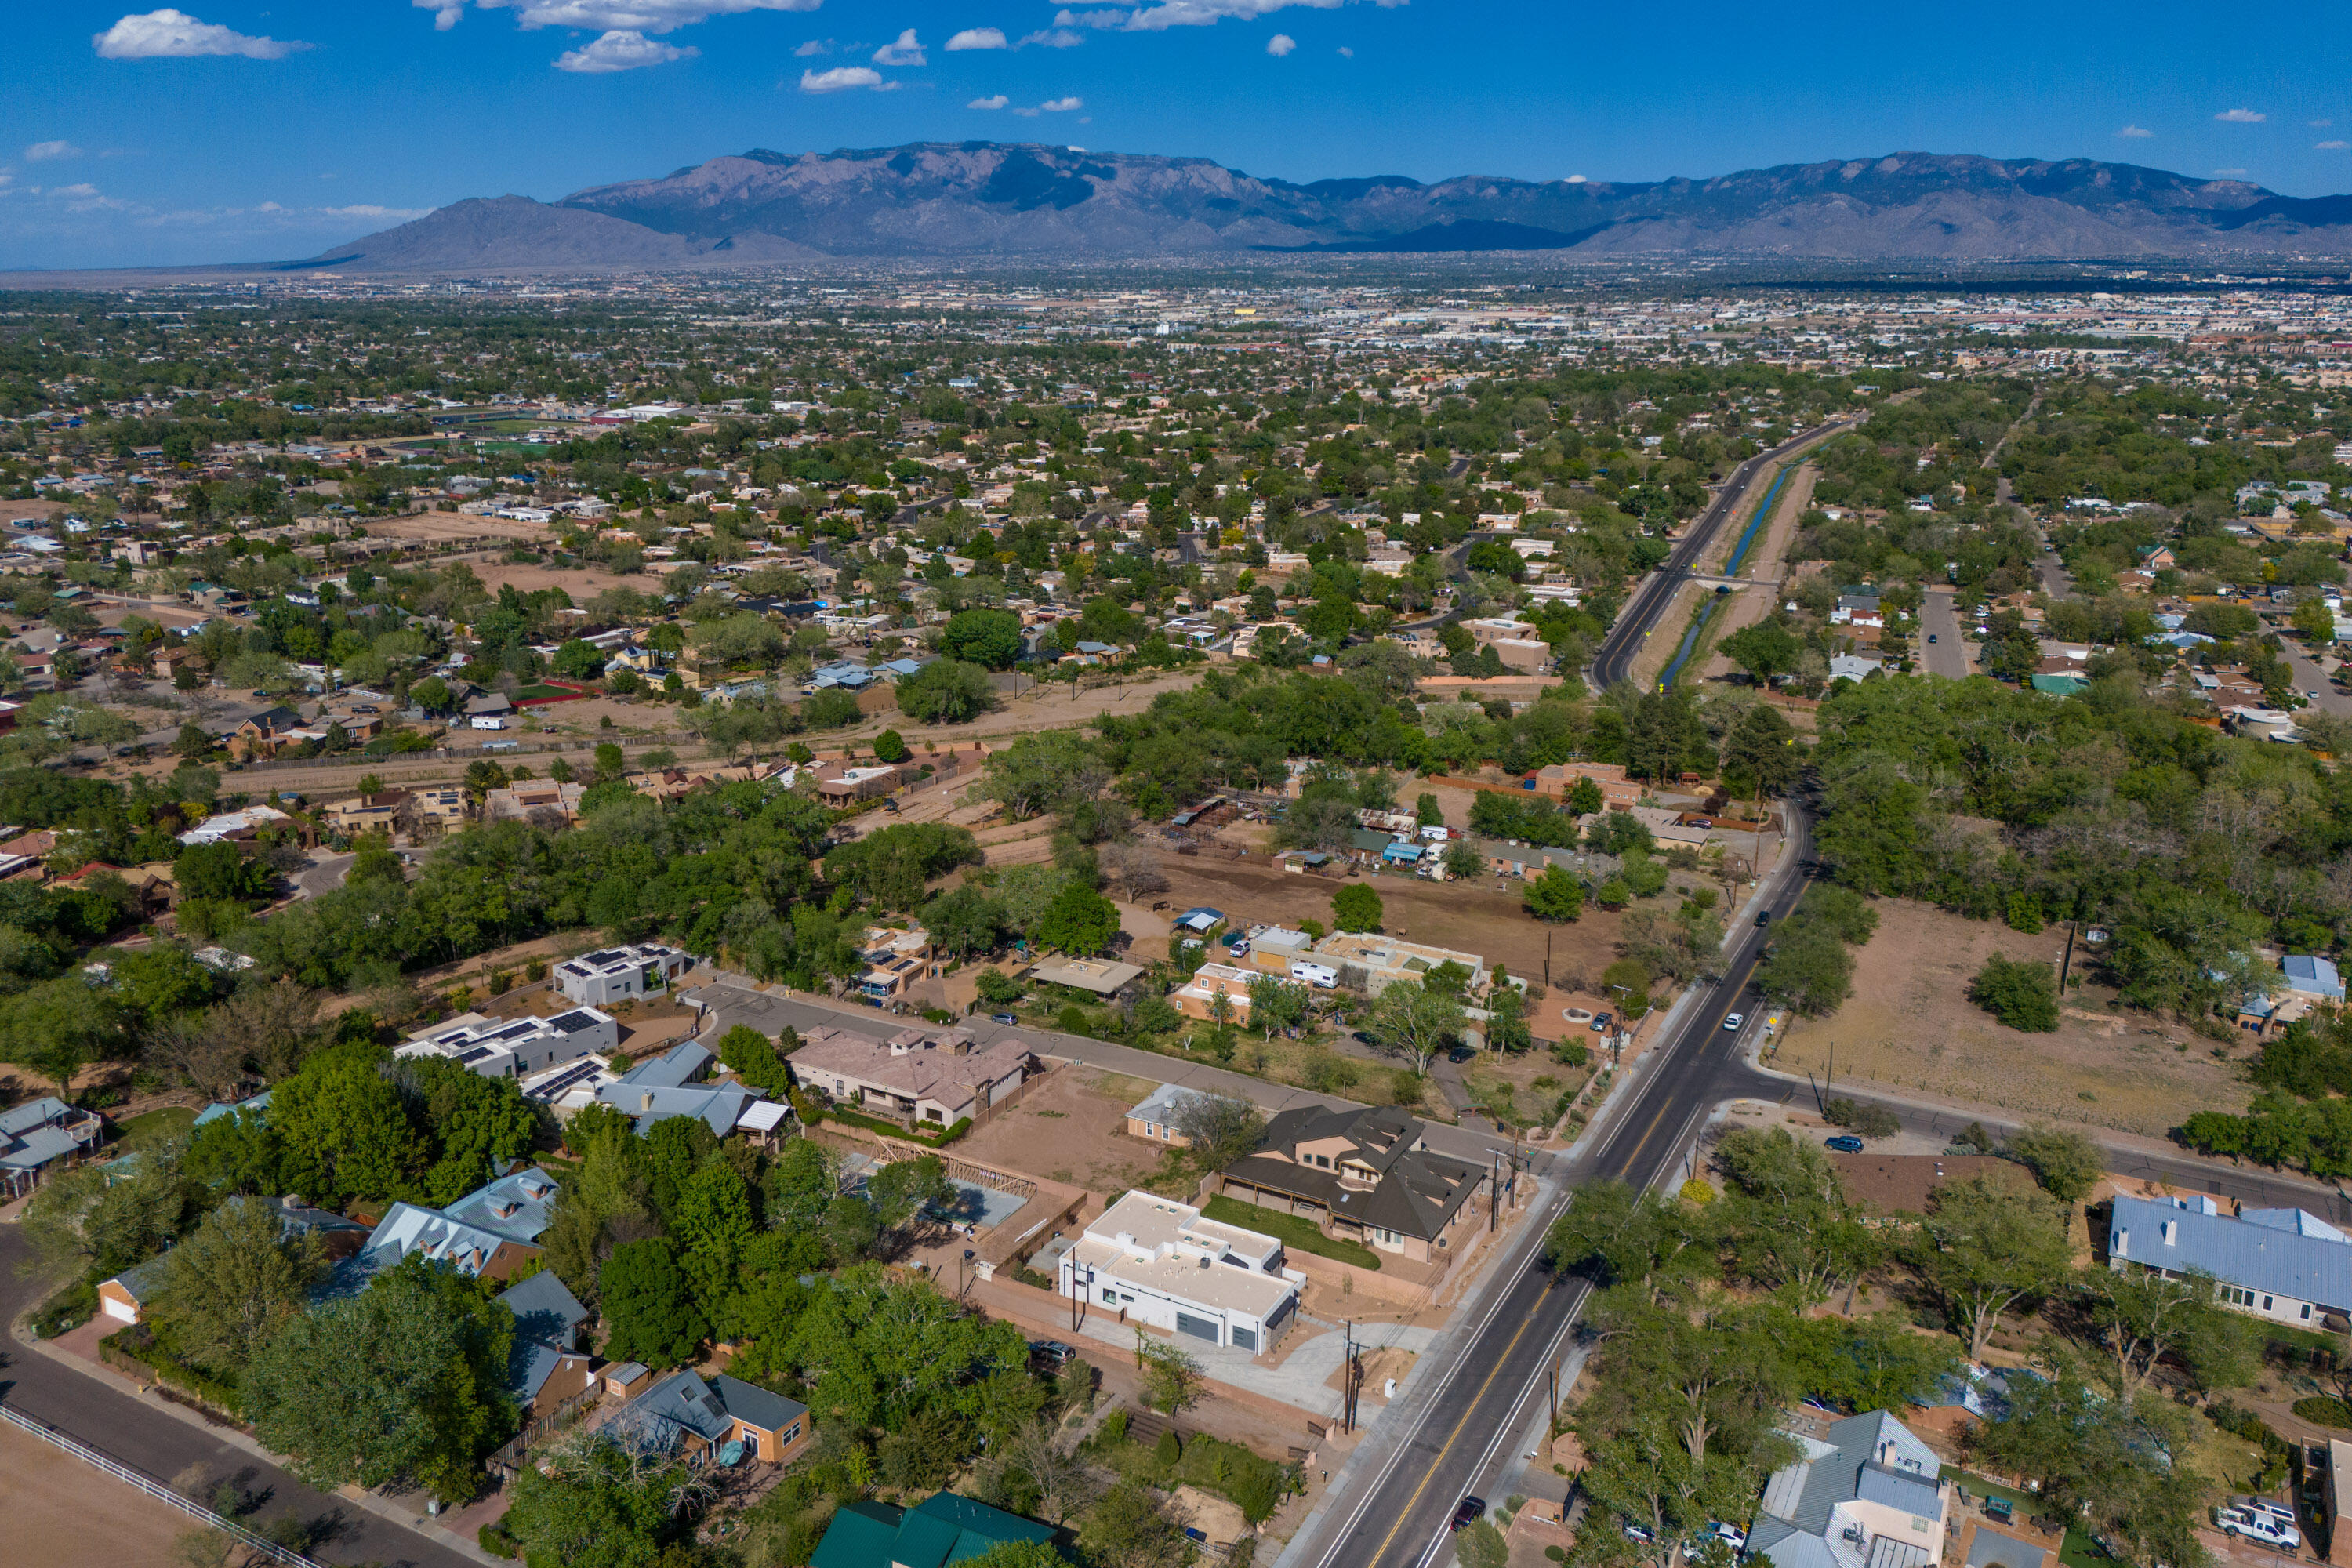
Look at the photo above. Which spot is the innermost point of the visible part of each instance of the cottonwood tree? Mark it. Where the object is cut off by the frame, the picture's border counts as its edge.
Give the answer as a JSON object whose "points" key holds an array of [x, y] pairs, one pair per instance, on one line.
{"points": [[2140, 1318], [1221, 1131], [1414, 1023], [1984, 1248], [236, 1279]]}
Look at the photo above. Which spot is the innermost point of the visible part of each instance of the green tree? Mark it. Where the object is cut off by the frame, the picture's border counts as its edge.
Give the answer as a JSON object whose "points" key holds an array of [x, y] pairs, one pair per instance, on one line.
{"points": [[404, 1383], [1462, 861], [2141, 1317], [1556, 895], [1218, 1131], [1414, 1023], [1985, 1247], [588, 1504], [1355, 908], [1427, 813], [219, 870], [2315, 623], [1763, 748], [945, 691], [649, 1305], [1765, 650], [2067, 1164], [2021, 993], [1584, 797], [1809, 971], [754, 1058], [1080, 921], [990, 638], [891, 747], [234, 1281]]}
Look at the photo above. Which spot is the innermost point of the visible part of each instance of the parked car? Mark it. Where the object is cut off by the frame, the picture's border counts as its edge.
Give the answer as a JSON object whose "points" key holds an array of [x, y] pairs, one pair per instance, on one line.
{"points": [[1003, 1018], [2250, 1525], [2263, 1505], [1640, 1533], [1469, 1511], [1730, 1535], [1051, 1353], [1844, 1143], [1601, 1023], [1931, 637]]}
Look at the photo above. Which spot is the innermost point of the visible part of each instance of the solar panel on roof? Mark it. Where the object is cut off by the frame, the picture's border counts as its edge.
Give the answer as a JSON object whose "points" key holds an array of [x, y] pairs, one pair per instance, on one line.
{"points": [[477, 1054], [571, 1022]]}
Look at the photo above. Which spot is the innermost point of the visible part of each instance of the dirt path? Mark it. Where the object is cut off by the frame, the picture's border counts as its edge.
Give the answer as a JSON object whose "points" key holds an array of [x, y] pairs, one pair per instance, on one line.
{"points": [[1769, 559]]}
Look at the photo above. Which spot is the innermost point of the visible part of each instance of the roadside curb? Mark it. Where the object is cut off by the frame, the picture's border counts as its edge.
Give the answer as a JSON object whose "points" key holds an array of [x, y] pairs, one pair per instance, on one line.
{"points": [[420, 1524]]}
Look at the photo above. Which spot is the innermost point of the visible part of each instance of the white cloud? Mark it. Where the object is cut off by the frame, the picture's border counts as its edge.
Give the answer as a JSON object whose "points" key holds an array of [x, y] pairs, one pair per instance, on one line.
{"points": [[2242, 116], [1166, 14], [621, 51], [2330, 146], [175, 35], [42, 151], [1576, 179], [814, 46], [2135, 131], [366, 209], [2227, 174], [81, 192], [1348, 52], [624, 16], [1280, 45], [843, 79], [2321, 124], [1052, 38], [993, 100], [446, 14], [977, 38], [907, 51], [1062, 105]]}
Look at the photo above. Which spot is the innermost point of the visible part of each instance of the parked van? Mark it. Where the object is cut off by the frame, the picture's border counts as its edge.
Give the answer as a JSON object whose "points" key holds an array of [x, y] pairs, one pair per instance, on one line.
{"points": [[1321, 976], [485, 721]]}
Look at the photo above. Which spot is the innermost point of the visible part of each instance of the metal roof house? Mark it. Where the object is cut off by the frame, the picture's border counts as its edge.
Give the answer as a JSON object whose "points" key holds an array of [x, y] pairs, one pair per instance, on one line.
{"points": [[1871, 1495], [942, 1529], [684, 1411], [2283, 1265], [41, 1135]]}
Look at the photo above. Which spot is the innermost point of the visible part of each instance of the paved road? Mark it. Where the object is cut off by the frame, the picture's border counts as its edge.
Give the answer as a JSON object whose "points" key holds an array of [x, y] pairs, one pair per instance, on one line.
{"points": [[1640, 617], [323, 874], [1939, 618], [732, 1001], [2055, 579], [2310, 679], [1456, 1435], [158, 1442]]}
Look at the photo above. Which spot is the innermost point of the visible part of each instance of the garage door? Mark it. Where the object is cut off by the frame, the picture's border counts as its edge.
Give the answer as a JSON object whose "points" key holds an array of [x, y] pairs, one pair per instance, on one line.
{"points": [[1198, 1328], [123, 1310], [1245, 1339]]}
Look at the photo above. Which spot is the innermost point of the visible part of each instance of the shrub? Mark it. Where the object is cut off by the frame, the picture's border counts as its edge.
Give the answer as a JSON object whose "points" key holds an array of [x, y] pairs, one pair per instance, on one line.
{"points": [[999, 987], [1170, 1449], [535, 971], [1071, 1020], [2324, 1410], [1868, 1121], [2021, 993], [1114, 1427]]}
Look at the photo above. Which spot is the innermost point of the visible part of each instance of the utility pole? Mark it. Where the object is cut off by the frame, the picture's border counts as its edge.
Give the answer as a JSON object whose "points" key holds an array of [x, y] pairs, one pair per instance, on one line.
{"points": [[1494, 1189]]}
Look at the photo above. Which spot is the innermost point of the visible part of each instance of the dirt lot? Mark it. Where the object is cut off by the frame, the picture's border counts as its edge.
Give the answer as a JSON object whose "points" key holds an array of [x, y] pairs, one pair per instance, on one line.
{"points": [[61, 1511], [1911, 1025], [442, 527], [1070, 1128]]}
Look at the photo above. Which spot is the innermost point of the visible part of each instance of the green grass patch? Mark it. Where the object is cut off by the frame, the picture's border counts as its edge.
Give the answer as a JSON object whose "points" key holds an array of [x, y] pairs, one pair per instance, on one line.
{"points": [[542, 692], [1299, 1235], [1255, 1486], [151, 1127], [2324, 1410]]}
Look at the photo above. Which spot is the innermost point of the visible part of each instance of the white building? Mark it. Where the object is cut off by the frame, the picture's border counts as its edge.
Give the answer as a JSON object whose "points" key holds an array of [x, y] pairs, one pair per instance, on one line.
{"points": [[1157, 1261], [517, 1047], [611, 974]]}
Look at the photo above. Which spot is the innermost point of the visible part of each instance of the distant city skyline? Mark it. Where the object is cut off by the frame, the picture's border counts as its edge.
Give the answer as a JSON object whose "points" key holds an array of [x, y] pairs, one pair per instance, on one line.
{"points": [[248, 130]]}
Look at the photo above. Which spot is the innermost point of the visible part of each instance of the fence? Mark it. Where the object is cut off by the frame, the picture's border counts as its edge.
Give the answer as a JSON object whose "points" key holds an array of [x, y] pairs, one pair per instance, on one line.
{"points": [[157, 1490]]}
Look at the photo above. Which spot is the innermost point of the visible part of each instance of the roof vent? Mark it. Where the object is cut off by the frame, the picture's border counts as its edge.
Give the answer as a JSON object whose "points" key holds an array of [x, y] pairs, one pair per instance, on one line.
{"points": [[2171, 1232]]}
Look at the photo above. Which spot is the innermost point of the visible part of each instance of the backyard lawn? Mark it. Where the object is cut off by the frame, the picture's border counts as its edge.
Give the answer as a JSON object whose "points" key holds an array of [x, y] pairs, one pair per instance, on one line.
{"points": [[1299, 1235], [151, 1127]]}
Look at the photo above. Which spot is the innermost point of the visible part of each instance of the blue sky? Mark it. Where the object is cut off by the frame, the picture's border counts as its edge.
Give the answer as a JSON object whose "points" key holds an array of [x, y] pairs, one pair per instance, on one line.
{"points": [[256, 129]]}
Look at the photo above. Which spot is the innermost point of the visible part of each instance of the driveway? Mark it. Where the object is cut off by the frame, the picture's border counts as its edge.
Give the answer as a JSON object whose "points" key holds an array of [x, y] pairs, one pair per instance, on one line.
{"points": [[321, 873], [149, 1436]]}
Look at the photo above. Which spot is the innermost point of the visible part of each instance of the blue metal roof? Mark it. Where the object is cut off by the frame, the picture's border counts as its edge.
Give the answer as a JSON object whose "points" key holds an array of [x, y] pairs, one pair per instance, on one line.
{"points": [[2302, 1265]]}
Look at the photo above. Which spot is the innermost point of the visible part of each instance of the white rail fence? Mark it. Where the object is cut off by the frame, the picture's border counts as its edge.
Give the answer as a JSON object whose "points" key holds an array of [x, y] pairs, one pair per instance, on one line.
{"points": [[262, 1545]]}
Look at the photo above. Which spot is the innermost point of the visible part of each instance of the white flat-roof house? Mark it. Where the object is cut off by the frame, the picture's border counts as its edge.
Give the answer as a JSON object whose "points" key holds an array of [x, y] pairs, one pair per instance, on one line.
{"points": [[1157, 1262], [517, 1047], [614, 973]]}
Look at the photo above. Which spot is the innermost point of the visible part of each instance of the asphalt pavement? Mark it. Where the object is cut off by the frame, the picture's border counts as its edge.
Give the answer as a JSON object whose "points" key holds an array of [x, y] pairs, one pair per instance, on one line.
{"points": [[1939, 618], [166, 1445], [2312, 680]]}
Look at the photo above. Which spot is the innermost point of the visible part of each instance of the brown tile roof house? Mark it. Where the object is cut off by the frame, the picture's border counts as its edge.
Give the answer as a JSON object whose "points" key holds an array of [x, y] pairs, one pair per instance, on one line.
{"points": [[1902, 1183], [929, 1075], [1365, 1175]]}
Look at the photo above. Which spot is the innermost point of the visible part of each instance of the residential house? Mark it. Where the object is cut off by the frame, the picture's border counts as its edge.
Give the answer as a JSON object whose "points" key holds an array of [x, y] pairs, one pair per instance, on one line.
{"points": [[535, 800], [517, 1047], [517, 1206], [1366, 1174], [1855, 608], [126, 1298], [850, 786], [661, 1087], [260, 734], [408, 1228], [234, 827], [895, 958], [1386, 959], [1156, 1117], [1101, 977], [1618, 793], [929, 1075], [546, 1365], [942, 1529], [683, 1413], [40, 1137], [377, 813], [1273, 949], [1159, 1263], [435, 809], [1869, 1495], [1197, 998], [2286, 1265], [611, 974]]}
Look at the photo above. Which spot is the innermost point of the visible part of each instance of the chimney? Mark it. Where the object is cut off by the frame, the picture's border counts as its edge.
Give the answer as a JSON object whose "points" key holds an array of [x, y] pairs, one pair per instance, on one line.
{"points": [[2171, 1232], [2121, 1246], [644, 1101]]}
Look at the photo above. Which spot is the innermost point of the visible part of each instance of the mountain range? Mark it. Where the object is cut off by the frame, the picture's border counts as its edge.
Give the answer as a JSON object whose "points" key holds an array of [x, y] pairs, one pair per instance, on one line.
{"points": [[948, 200]]}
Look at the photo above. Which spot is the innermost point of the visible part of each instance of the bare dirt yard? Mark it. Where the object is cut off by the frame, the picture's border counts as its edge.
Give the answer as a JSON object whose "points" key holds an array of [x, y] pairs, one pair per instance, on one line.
{"points": [[1071, 1128], [1910, 1025], [62, 1511]]}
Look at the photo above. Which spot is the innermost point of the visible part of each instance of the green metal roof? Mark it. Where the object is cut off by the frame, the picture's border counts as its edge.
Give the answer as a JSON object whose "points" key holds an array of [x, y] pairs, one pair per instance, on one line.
{"points": [[940, 1530]]}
